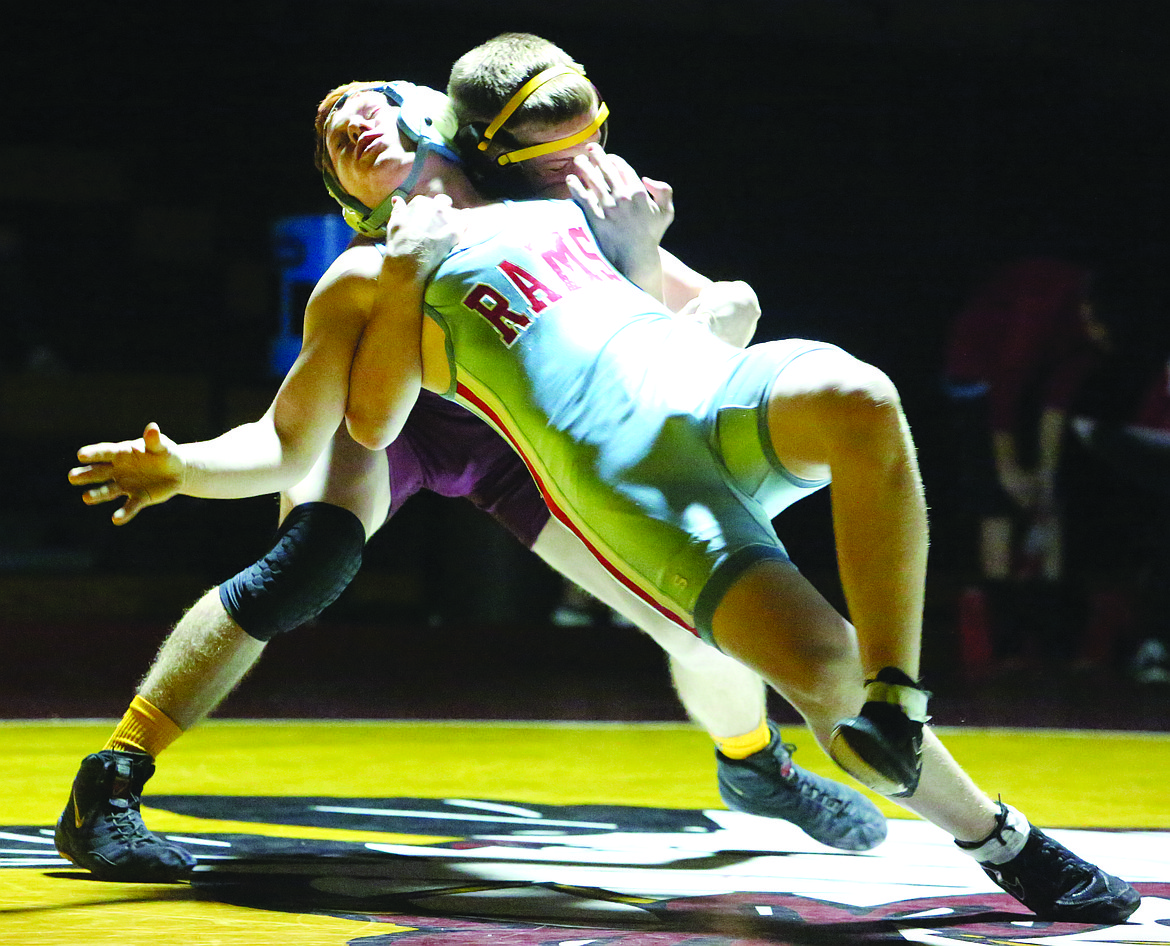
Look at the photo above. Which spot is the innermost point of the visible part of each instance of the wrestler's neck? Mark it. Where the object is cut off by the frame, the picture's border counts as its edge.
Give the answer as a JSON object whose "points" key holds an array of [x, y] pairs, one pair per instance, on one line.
{"points": [[440, 175]]}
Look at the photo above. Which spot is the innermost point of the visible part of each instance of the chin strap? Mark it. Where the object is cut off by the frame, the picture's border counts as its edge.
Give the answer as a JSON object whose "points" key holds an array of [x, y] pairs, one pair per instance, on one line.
{"points": [[372, 223]]}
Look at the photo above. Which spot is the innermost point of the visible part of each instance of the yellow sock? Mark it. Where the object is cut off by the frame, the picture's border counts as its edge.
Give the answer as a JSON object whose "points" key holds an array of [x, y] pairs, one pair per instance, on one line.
{"points": [[740, 747], [144, 728]]}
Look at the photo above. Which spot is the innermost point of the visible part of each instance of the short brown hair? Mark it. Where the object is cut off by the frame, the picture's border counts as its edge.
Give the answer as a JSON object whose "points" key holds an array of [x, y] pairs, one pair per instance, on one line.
{"points": [[485, 78]]}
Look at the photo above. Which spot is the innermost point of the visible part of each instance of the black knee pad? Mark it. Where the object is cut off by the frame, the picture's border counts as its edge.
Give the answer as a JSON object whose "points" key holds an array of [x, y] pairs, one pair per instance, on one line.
{"points": [[317, 552]]}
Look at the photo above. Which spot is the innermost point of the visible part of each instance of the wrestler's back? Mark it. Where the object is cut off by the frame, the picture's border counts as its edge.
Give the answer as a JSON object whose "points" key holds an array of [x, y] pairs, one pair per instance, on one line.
{"points": [[543, 331]]}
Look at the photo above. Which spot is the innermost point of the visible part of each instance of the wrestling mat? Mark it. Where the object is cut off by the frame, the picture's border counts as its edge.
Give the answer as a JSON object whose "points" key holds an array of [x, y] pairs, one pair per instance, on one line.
{"points": [[433, 834]]}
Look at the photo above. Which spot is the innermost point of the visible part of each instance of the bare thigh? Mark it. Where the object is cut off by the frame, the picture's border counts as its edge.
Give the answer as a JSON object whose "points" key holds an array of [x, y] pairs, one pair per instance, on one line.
{"points": [[562, 550], [817, 403]]}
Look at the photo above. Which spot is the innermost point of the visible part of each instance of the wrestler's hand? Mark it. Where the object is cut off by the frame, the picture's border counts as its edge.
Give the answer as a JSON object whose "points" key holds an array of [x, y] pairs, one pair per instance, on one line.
{"points": [[146, 471], [627, 213], [729, 310], [422, 231], [615, 198]]}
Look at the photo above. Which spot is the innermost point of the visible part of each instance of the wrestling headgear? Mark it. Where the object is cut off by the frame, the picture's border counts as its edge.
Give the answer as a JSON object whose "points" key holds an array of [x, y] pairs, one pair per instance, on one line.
{"points": [[424, 117], [497, 175]]}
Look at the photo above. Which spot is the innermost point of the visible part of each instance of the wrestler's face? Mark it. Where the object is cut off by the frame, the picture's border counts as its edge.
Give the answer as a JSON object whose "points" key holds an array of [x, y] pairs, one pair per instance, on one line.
{"points": [[545, 173], [370, 156]]}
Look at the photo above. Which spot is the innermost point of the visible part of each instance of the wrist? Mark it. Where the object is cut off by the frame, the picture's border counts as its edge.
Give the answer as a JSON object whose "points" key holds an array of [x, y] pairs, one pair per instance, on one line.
{"points": [[399, 265], [186, 474]]}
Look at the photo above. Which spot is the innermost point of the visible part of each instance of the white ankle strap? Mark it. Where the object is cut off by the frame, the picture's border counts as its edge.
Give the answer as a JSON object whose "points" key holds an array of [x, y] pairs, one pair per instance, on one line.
{"points": [[1005, 842]]}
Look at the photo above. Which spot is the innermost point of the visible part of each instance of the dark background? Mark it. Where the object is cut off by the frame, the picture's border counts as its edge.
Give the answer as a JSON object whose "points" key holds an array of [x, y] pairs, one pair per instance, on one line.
{"points": [[860, 162]]}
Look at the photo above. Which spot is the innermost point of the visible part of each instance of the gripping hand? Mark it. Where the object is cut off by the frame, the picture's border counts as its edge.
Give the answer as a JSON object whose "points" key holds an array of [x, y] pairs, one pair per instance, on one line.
{"points": [[627, 213]]}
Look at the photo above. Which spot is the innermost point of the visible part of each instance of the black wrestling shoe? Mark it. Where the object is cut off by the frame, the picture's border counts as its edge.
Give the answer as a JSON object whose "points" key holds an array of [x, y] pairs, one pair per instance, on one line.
{"points": [[1055, 884], [102, 830], [768, 783], [882, 747]]}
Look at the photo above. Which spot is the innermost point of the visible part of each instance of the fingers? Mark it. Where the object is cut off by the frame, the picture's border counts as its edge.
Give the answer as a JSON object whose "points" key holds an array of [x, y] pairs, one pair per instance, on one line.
{"points": [[590, 175], [584, 196], [100, 452], [110, 491], [619, 173], [661, 193], [102, 493], [612, 181], [87, 475], [126, 512], [612, 173], [423, 203], [152, 438]]}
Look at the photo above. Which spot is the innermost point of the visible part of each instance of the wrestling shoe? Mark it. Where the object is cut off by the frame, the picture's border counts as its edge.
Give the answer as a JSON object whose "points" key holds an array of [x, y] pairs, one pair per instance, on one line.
{"points": [[768, 783], [102, 830], [1048, 878], [882, 747]]}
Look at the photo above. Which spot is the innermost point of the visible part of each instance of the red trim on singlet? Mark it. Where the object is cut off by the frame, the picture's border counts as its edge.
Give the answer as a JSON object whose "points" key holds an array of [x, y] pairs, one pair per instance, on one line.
{"points": [[465, 392]]}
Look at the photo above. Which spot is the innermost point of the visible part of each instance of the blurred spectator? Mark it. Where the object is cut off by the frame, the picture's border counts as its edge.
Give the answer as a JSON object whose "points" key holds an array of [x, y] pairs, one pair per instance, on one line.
{"points": [[1129, 436], [1019, 352]]}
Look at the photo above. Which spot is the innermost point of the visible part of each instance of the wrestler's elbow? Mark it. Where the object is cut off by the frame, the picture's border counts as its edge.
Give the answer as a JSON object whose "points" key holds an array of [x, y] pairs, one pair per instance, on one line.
{"points": [[372, 432], [735, 311], [376, 414]]}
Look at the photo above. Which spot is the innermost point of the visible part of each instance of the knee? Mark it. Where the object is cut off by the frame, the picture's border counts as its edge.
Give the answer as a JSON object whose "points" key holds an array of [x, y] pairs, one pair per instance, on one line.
{"points": [[828, 408], [860, 411], [317, 553]]}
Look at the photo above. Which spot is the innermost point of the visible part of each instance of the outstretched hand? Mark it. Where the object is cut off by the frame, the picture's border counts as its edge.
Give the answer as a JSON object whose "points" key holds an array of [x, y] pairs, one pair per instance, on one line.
{"points": [[146, 471]]}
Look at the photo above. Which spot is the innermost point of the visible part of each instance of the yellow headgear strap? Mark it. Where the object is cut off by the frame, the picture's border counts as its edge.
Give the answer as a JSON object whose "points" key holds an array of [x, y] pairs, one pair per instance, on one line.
{"points": [[534, 151], [518, 99]]}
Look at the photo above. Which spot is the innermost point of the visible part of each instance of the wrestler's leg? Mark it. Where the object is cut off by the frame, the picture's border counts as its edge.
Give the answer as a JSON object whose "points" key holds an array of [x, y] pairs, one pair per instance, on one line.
{"points": [[831, 414], [197, 666], [208, 652], [719, 693], [206, 655], [773, 620], [828, 414], [753, 764]]}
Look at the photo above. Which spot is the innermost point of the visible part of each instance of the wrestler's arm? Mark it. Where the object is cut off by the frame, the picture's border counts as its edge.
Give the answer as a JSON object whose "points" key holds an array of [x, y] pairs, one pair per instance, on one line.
{"points": [[265, 456], [729, 308], [629, 216], [386, 374], [387, 371]]}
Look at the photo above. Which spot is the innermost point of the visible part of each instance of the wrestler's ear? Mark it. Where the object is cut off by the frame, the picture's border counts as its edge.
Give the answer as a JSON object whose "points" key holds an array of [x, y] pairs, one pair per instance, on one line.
{"points": [[490, 178]]}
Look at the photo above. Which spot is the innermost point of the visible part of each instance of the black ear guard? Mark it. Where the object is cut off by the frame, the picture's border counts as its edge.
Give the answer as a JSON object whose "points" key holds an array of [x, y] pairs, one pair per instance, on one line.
{"points": [[490, 178]]}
